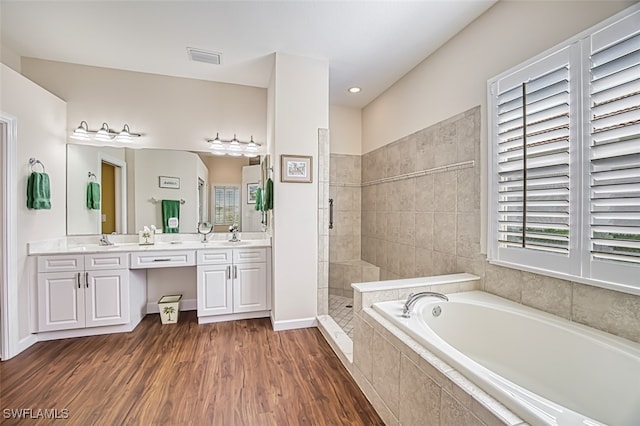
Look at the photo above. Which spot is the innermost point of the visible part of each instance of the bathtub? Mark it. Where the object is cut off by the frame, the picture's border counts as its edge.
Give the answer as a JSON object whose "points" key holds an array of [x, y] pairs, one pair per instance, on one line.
{"points": [[545, 369]]}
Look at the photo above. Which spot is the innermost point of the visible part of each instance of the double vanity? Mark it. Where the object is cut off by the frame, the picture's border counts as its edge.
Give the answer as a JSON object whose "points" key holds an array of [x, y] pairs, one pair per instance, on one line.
{"points": [[84, 288]]}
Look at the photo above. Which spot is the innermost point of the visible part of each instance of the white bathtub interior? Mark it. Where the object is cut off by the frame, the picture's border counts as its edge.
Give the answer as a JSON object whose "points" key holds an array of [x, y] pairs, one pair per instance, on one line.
{"points": [[543, 367]]}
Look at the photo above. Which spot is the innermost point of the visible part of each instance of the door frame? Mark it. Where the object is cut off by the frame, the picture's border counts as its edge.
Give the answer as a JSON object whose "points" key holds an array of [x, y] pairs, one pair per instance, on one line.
{"points": [[121, 191], [9, 332]]}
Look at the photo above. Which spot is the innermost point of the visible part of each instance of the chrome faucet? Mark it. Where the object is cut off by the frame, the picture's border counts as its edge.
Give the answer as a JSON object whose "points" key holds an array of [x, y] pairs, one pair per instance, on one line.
{"points": [[104, 241], [413, 298], [234, 230]]}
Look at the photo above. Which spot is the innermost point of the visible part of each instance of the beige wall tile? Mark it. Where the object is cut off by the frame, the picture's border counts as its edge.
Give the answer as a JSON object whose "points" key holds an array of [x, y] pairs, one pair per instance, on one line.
{"points": [[424, 262], [424, 230], [504, 282], [468, 194], [445, 146], [445, 191], [444, 232], [362, 347], [386, 371], [607, 310], [444, 263], [419, 396], [453, 412], [424, 198], [547, 294]]}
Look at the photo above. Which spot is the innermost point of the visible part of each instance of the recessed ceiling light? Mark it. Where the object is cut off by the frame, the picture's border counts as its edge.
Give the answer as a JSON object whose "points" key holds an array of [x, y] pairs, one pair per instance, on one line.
{"points": [[354, 89]]}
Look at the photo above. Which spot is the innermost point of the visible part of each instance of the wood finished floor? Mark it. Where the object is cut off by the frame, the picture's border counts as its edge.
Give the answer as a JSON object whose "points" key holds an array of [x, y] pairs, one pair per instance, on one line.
{"points": [[232, 373]]}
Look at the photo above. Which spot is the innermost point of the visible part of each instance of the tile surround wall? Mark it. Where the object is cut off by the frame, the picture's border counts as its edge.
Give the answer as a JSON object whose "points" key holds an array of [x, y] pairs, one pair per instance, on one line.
{"points": [[426, 225], [430, 225], [344, 238], [407, 384]]}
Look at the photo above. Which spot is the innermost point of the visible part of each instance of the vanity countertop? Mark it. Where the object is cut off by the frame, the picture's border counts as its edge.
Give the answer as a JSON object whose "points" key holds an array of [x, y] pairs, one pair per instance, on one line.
{"points": [[86, 245]]}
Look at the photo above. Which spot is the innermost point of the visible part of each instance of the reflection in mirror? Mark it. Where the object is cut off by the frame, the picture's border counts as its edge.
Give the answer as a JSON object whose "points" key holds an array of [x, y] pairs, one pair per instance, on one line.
{"points": [[130, 180], [204, 229]]}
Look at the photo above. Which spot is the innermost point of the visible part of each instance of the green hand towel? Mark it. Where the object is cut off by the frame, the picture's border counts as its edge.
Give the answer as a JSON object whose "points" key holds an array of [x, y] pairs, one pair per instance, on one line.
{"points": [[93, 196], [30, 190], [38, 191], [267, 202], [170, 210], [259, 199]]}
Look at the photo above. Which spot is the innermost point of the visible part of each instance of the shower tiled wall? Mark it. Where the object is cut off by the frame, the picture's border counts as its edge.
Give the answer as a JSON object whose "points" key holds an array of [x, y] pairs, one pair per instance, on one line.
{"points": [[344, 189], [421, 216], [344, 238], [427, 223]]}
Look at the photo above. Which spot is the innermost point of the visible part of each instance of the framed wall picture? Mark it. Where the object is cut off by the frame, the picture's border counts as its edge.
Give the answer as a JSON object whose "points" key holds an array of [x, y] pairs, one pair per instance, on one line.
{"points": [[252, 189], [296, 168], [169, 182]]}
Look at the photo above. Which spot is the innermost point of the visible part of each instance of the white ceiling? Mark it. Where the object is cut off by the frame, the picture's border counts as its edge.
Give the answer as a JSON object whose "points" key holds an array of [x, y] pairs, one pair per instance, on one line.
{"points": [[370, 44]]}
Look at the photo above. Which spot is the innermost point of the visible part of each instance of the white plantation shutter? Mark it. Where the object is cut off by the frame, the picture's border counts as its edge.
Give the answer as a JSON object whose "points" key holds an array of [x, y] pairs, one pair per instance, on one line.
{"points": [[532, 133], [227, 205], [564, 159], [614, 147]]}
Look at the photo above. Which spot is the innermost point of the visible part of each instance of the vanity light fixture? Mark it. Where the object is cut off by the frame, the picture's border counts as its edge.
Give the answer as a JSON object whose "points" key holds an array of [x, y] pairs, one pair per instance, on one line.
{"points": [[233, 147], [81, 132], [105, 134]]}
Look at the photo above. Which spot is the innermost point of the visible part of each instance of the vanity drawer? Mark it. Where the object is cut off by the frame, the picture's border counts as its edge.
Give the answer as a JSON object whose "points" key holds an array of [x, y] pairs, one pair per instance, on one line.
{"points": [[96, 262], [214, 257], [250, 255], [62, 263], [163, 259]]}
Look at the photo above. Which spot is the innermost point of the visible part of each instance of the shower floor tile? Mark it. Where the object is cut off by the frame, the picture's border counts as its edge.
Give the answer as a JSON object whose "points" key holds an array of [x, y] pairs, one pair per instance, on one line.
{"points": [[341, 310]]}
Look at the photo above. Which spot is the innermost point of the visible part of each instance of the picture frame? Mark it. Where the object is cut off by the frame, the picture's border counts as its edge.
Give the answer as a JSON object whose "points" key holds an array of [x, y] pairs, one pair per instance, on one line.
{"points": [[252, 189], [296, 168], [169, 182]]}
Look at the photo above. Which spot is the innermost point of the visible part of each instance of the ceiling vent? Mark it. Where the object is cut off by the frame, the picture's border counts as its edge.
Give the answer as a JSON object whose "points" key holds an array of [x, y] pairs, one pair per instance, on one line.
{"points": [[204, 56]]}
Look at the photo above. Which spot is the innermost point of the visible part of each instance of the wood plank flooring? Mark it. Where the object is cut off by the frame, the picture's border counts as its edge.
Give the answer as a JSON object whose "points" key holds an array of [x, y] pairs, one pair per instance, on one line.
{"points": [[232, 373]]}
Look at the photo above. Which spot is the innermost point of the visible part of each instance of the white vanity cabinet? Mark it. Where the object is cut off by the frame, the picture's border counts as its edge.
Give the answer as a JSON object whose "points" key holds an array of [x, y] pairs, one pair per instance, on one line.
{"points": [[78, 291], [233, 281]]}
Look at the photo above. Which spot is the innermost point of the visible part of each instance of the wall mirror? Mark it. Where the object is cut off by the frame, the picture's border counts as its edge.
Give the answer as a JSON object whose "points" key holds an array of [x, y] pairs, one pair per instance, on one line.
{"points": [[133, 182]]}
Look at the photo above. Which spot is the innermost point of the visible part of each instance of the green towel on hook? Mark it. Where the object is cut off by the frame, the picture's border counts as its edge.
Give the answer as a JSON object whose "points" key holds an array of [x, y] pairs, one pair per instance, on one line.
{"points": [[170, 213], [259, 199], [93, 196], [38, 191], [267, 202]]}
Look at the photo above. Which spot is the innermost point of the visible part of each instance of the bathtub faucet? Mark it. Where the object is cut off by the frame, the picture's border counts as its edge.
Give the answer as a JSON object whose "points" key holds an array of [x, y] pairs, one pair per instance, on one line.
{"points": [[413, 298]]}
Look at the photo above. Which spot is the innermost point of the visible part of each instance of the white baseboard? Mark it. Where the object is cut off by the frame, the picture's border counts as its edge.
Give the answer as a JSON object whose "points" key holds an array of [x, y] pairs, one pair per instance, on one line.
{"points": [[83, 332], [232, 317], [293, 324], [23, 344], [185, 305]]}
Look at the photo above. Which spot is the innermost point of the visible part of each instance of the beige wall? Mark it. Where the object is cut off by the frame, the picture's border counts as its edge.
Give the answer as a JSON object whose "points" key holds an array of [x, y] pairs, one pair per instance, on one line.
{"points": [[454, 78], [41, 134], [173, 113], [345, 126], [301, 107], [224, 171]]}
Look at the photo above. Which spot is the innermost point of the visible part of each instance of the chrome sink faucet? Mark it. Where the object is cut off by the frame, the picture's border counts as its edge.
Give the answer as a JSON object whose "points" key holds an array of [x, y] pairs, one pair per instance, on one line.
{"points": [[104, 241], [234, 230], [413, 298]]}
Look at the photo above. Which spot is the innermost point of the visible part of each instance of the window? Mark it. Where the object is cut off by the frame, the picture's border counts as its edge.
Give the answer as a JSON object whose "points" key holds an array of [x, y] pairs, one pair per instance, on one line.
{"points": [[226, 204], [565, 159]]}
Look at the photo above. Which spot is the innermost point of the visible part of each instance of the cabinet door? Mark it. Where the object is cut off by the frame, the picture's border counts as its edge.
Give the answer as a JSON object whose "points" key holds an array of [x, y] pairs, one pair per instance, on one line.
{"points": [[214, 290], [60, 301], [250, 287], [106, 297]]}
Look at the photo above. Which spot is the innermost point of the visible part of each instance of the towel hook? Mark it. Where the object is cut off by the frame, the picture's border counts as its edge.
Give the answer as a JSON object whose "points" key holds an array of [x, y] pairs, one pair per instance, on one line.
{"points": [[92, 175], [33, 162]]}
